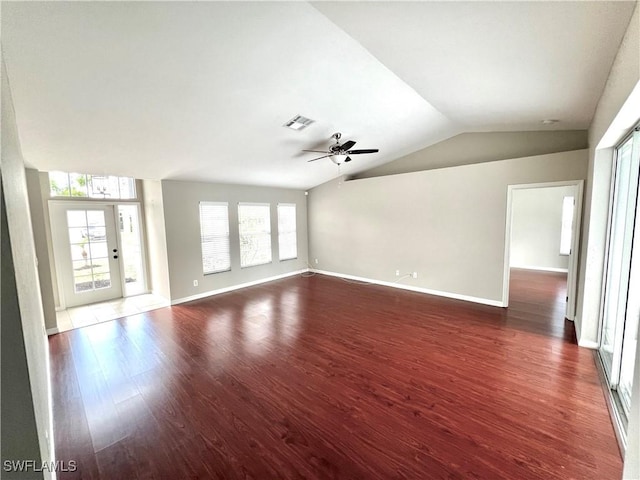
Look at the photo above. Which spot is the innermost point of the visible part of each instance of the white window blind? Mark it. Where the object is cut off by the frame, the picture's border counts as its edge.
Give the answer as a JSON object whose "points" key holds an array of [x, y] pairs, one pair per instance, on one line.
{"points": [[254, 222], [214, 237], [567, 225], [287, 238]]}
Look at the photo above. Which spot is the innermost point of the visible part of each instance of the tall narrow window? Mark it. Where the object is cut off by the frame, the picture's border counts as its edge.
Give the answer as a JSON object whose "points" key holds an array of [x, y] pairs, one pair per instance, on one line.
{"points": [[566, 233], [214, 237], [287, 237], [254, 221]]}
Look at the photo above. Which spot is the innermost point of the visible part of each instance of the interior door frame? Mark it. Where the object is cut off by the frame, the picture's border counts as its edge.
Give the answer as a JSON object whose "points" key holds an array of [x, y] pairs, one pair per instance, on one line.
{"points": [[572, 270]]}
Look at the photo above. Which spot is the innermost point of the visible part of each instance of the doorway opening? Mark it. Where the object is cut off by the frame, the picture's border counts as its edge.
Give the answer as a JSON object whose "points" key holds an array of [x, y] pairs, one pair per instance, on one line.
{"points": [[542, 235], [98, 250]]}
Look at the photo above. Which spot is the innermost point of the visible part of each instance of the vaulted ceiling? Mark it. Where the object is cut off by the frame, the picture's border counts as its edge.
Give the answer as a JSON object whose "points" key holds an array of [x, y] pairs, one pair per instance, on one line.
{"points": [[201, 90]]}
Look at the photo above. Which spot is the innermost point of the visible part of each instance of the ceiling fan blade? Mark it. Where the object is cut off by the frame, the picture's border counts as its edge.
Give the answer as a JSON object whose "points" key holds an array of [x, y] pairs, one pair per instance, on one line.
{"points": [[314, 159], [316, 151], [366, 150], [347, 145], [348, 159]]}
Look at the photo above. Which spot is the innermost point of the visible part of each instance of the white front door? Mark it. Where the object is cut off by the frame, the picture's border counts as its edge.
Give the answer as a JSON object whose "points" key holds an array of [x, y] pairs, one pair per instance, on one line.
{"points": [[86, 251]]}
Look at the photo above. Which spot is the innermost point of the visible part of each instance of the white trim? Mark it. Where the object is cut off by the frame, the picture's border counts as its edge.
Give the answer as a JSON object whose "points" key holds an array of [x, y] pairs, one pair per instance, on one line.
{"points": [[588, 344], [428, 291], [614, 413], [52, 331], [584, 343], [209, 293], [542, 269], [574, 255], [624, 121]]}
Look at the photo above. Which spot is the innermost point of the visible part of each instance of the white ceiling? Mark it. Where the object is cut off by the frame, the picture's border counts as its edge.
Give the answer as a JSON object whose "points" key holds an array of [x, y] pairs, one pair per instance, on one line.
{"points": [[200, 90]]}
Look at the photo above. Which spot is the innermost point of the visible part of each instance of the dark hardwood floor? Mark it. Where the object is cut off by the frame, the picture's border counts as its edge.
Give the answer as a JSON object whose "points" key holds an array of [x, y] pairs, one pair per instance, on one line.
{"points": [[319, 378]]}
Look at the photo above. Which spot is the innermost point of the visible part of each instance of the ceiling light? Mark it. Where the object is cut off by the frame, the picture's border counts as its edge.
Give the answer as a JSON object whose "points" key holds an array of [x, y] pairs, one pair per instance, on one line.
{"points": [[298, 123], [338, 159], [549, 121]]}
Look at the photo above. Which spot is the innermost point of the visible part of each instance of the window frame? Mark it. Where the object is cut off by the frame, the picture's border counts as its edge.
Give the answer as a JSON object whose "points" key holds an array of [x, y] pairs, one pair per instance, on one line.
{"points": [[202, 242], [267, 234], [89, 194], [294, 231]]}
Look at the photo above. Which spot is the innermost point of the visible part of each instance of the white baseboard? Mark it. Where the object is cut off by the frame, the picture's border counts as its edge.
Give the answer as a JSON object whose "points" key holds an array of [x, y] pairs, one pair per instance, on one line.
{"points": [[588, 344], [209, 293], [455, 296], [52, 331], [584, 343], [158, 294], [542, 269]]}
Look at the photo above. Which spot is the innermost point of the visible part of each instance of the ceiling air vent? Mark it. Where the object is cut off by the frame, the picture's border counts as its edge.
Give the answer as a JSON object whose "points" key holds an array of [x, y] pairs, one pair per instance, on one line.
{"points": [[298, 123]]}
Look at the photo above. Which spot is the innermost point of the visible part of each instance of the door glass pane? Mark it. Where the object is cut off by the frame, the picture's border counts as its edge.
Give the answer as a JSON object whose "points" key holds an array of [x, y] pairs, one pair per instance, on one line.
{"points": [[618, 264], [99, 250], [89, 253], [621, 307], [78, 235], [131, 249], [102, 280], [76, 218], [628, 360], [79, 252], [83, 283]]}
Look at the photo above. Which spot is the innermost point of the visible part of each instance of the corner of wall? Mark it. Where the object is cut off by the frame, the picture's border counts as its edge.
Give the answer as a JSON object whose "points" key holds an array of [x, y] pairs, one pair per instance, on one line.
{"points": [[39, 226]]}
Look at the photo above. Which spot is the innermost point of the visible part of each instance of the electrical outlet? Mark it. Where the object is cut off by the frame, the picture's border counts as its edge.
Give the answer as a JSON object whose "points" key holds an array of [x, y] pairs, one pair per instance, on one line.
{"points": [[195, 283], [397, 273], [414, 274], [316, 260]]}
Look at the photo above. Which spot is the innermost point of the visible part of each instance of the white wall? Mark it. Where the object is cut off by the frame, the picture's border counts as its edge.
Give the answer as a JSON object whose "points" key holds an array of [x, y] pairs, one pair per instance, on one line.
{"points": [[30, 391], [157, 256], [536, 226], [181, 213], [477, 147], [446, 224], [632, 456]]}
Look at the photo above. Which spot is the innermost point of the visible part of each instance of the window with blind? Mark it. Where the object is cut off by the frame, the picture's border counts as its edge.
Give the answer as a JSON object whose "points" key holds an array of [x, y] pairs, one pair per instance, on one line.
{"points": [[287, 238], [214, 237], [254, 222]]}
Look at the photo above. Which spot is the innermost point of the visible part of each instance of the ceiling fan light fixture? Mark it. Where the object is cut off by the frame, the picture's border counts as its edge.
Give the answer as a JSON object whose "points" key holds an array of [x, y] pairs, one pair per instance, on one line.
{"points": [[298, 123], [338, 159]]}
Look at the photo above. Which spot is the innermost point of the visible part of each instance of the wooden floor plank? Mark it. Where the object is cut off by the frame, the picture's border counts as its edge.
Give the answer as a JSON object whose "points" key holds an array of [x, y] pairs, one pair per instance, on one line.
{"points": [[314, 377]]}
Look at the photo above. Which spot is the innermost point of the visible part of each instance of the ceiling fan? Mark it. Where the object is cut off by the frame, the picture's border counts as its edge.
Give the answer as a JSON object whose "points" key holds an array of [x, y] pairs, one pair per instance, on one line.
{"points": [[340, 153]]}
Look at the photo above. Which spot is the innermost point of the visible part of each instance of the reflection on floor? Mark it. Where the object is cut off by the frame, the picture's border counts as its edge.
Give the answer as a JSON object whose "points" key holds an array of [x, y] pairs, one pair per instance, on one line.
{"points": [[312, 377], [100, 312]]}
